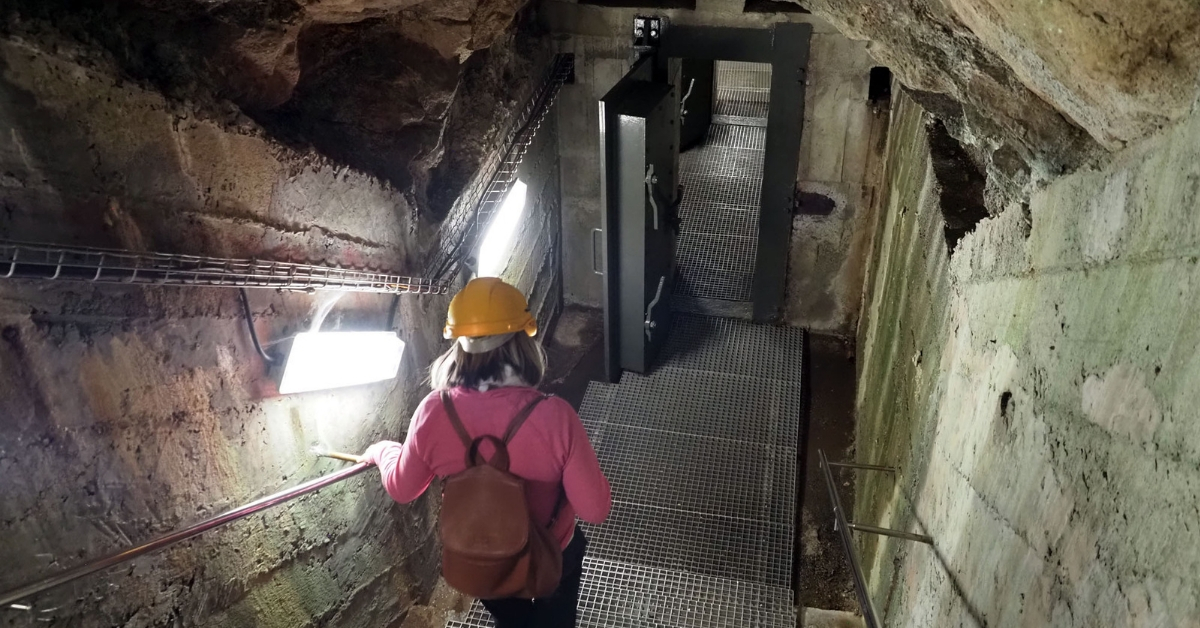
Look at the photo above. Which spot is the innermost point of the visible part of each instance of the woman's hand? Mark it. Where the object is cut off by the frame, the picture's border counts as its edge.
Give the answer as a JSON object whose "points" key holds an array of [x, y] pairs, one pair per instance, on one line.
{"points": [[373, 453]]}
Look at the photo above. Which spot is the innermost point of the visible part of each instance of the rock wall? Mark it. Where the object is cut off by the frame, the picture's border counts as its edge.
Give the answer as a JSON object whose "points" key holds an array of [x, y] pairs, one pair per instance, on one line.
{"points": [[1035, 88], [127, 412], [1037, 389], [373, 84]]}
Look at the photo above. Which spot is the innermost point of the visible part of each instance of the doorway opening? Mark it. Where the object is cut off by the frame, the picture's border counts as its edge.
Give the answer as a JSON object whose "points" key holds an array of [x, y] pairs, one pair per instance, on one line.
{"points": [[722, 177]]}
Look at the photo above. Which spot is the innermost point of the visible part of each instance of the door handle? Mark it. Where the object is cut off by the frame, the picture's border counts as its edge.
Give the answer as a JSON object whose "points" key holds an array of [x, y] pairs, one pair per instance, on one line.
{"points": [[651, 180], [650, 324], [595, 267], [683, 103]]}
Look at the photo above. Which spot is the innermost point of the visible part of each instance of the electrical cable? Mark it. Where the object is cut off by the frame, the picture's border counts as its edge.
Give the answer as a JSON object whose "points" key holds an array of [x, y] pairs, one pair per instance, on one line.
{"points": [[391, 319], [250, 326]]}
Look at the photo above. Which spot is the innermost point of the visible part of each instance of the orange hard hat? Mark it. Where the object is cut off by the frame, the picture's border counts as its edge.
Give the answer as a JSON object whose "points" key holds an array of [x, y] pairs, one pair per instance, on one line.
{"points": [[487, 306]]}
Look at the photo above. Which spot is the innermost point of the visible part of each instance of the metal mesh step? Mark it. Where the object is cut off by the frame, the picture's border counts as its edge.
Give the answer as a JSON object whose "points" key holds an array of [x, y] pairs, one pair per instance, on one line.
{"points": [[705, 283], [710, 191], [725, 253], [707, 403], [737, 347], [626, 594], [726, 547], [741, 138], [743, 89], [728, 220], [734, 163], [699, 474]]}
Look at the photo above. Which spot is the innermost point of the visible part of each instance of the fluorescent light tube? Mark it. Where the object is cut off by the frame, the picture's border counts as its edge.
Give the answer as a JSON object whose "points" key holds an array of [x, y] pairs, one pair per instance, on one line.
{"points": [[333, 359], [496, 247]]}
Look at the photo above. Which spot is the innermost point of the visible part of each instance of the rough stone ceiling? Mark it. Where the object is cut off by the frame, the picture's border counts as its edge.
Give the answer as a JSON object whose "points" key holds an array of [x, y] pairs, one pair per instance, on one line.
{"points": [[395, 87], [1051, 80], [385, 86]]}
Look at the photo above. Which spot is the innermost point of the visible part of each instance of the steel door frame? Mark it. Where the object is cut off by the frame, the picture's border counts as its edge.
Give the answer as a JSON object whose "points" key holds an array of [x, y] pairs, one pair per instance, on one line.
{"points": [[786, 48]]}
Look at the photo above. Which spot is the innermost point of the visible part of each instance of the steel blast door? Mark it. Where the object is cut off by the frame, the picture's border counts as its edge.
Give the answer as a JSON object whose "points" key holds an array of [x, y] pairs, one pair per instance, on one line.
{"points": [[639, 143]]}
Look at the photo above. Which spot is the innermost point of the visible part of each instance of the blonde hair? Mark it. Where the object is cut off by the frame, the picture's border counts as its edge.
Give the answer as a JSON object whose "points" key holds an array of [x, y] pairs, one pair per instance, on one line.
{"points": [[456, 367]]}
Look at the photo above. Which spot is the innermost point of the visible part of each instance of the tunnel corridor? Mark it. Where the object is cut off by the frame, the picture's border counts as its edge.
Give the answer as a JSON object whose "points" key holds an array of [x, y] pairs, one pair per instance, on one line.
{"points": [[955, 243]]}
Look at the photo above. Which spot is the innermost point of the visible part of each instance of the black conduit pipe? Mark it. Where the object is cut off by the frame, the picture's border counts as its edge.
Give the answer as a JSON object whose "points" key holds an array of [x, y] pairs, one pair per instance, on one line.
{"points": [[74, 573], [250, 325]]}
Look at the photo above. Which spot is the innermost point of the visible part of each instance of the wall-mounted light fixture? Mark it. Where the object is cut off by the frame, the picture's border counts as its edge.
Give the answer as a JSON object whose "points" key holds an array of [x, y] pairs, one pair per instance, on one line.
{"points": [[333, 359], [496, 247]]}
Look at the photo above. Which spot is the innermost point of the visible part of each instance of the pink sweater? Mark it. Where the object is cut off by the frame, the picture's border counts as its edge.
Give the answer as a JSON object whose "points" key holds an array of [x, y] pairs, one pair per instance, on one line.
{"points": [[551, 452]]}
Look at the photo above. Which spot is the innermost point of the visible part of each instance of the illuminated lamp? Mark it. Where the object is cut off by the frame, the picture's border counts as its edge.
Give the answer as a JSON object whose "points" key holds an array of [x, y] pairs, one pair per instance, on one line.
{"points": [[333, 359], [496, 247]]}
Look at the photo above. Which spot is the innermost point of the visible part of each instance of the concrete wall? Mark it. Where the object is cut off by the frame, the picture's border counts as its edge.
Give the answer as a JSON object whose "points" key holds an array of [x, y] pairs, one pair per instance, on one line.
{"points": [[840, 154], [824, 282], [1039, 392], [127, 412]]}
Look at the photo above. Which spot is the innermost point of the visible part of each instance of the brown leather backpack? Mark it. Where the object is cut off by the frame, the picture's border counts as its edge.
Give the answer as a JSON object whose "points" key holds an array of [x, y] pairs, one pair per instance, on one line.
{"points": [[491, 546]]}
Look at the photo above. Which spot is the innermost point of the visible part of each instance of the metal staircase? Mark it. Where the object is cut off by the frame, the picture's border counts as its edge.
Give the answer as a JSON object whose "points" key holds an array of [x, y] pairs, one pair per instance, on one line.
{"points": [[702, 459]]}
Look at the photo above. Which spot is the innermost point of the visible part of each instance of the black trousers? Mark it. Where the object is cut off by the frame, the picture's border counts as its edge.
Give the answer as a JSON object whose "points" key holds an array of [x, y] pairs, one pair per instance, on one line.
{"points": [[556, 611]]}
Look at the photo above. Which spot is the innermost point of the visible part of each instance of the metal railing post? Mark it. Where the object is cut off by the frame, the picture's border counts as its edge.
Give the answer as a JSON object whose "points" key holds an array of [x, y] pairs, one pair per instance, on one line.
{"points": [[844, 527], [870, 616]]}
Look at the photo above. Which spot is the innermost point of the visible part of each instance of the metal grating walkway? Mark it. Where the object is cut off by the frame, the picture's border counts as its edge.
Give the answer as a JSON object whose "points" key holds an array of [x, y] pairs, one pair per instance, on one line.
{"points": [[722, 181], [702, 457]]}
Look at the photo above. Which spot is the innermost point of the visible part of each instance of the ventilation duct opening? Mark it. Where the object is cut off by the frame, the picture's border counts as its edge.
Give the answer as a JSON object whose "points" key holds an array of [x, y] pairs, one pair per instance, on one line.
{"points": [[771, 6], [880, 88]]}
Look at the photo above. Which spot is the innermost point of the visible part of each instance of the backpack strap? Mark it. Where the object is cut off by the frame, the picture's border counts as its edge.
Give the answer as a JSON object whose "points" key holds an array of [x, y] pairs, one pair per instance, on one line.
{"points": [[521, 417], [516, 424], [500, 458], [455, 420], [558, 507]]}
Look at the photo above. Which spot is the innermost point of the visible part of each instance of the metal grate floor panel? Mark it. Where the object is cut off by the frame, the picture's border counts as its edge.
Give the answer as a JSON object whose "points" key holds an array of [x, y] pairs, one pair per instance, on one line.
{"points": [[699, 474], [699, 282], [727, 253], [737, 347], [740, 163], [717, 405], [727, 220], [627, 594], [743, 89], [708, 192], [740, 103], [718, 239], [702, 458], [743, 138], [727, 547]]}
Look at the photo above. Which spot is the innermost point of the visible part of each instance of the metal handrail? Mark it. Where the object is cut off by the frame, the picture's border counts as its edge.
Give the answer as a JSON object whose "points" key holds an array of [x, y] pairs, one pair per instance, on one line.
{"points": [[53, 262], [162, 542], [843, 527]]}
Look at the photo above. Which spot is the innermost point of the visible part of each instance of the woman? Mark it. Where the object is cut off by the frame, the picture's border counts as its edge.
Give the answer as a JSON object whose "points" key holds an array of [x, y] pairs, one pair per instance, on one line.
{"points": [[491, 373]]}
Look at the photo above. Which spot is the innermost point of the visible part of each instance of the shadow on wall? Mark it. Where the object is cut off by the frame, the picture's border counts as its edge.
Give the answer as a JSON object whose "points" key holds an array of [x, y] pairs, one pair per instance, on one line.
{"points": [[960, 184]]}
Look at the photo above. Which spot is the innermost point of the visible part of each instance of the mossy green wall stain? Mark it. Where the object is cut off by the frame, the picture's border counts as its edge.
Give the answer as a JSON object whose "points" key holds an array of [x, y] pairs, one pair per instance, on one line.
{"points": [[1039, 392]]}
